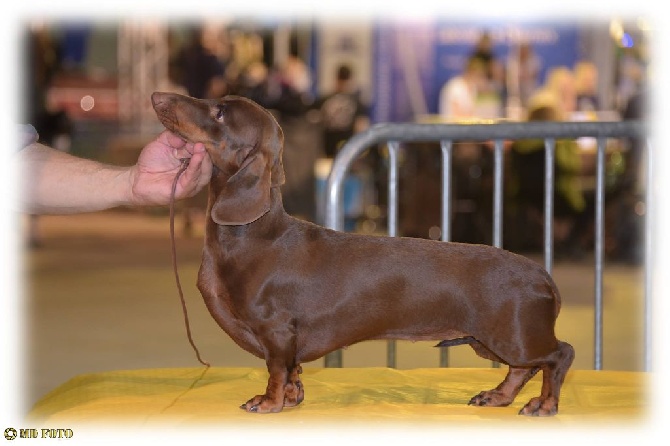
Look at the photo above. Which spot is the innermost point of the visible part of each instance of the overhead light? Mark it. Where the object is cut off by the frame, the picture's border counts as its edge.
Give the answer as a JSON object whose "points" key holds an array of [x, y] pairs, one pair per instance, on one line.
{"points": [[627, 41], [616, 30], [87, 103]]}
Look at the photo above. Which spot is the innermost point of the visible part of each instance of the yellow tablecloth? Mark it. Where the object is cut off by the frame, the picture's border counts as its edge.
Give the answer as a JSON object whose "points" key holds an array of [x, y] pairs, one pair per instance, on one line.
{"points": [[358, 396]]}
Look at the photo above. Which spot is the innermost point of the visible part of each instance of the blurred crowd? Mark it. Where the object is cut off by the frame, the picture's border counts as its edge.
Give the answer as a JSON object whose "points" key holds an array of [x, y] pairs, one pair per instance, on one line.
{"points": [[315, 126], [490, 88], [208, 64]]}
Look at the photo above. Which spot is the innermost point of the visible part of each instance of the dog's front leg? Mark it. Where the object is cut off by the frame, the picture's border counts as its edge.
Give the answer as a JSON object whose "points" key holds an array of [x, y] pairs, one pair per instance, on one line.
{"points": [[273, 398], [283, 369], [295, 392]]}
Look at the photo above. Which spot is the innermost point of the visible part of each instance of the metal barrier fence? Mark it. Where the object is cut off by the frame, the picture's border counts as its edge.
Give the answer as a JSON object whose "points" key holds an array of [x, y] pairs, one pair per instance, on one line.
{"points": [[446, 134]]}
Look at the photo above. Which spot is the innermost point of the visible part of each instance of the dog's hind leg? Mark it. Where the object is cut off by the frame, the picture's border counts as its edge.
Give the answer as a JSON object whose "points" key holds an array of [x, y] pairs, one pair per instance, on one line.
{"points": [[508, 389], [553, 375]]}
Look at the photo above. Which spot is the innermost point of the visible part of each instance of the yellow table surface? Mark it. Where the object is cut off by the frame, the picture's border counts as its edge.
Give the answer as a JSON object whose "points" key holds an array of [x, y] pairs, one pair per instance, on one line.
{"points": [[358, 396]]}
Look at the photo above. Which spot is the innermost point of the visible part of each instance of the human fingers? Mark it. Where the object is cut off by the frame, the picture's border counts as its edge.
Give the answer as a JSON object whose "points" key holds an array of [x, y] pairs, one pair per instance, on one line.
{"points": [[196, 175], [188, 150], [171, 139], [198, 148]]}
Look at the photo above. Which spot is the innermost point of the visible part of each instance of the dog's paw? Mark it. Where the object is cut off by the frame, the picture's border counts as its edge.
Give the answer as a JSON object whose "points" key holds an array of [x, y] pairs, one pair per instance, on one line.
{"points": [[539, 407], [261, 404], [478, 400], [294, 394], [494, 398]]}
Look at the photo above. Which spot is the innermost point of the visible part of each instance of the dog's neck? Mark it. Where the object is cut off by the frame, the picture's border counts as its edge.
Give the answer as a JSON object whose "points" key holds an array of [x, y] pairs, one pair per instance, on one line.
{"points": [[276, 203], [269, 224]]}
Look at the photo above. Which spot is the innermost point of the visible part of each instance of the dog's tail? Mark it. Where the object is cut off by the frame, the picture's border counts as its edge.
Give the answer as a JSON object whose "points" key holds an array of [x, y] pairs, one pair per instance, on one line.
{"points": [[457, 341]]}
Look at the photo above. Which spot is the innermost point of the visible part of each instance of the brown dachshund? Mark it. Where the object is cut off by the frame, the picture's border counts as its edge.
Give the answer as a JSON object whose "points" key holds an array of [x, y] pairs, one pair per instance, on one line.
{"points": [[289, 291]]}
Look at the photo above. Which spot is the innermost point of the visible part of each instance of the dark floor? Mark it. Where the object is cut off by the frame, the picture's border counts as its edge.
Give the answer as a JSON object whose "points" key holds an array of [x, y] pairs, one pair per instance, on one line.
{"points": [[102, 296]]}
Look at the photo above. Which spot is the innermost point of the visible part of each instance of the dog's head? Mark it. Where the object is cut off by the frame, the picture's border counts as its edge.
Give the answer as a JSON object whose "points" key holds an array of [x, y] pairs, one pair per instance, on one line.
{"points": [[244, 142]]}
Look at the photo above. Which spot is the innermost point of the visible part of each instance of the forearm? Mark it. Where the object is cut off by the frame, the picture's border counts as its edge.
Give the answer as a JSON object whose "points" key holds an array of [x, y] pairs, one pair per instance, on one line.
{"points": [[54, 182]]}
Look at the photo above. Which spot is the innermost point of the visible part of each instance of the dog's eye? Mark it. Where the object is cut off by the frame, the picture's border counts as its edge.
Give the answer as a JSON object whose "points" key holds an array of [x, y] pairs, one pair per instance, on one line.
{"points": [[220, 114]]}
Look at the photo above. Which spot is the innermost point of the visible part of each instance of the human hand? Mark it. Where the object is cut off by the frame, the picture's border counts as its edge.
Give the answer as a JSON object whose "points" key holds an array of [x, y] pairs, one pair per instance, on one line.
{"points": [[152, 176]]}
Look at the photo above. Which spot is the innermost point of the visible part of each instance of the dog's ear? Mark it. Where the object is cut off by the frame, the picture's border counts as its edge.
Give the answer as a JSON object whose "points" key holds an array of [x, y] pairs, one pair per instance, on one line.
{"points": [[245, 196], [276, 149], [249, 162]]}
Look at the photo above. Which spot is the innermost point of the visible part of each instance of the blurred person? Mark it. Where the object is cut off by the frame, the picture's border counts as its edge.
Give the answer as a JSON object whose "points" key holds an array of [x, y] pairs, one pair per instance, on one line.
{"points": [[290, 85], [459, 101], [59, 183], [525, 66], [458, 97], [44, 60], [636, 109], [494, 89], [342, 112], [561, 83], [296, 74], [199, 70], [203, 74], [483, 51], [253, 83], [527, 164], [484, 48], [630, 75], [586, 87], [627, 204], [289, 98]]}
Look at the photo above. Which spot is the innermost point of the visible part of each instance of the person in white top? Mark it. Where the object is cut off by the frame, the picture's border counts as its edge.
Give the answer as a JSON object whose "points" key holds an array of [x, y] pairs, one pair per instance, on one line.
{"points": [[458, 97]]}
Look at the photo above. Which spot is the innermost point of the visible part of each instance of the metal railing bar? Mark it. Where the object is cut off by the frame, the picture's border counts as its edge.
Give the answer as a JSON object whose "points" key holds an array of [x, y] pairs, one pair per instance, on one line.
{"points": [[598, 254], [498, 164], [394, 149], [333, 359], [550, 147], [445, 235], [403, 132], [498, 132], [445, 230]]}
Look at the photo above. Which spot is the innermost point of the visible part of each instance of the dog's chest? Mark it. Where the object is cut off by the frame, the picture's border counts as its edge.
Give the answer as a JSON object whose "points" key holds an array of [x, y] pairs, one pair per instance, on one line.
{"points": [[236, 327], [229, 313]]}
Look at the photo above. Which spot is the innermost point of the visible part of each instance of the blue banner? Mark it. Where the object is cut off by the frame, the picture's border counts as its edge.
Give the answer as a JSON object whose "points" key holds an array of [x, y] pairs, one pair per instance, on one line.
{"points": [[413, 62]]}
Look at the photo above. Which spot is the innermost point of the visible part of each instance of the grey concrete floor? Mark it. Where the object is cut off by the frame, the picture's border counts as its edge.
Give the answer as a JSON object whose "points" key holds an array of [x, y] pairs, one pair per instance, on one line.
{"points": [[101, 295]]}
